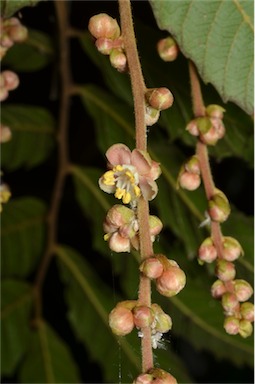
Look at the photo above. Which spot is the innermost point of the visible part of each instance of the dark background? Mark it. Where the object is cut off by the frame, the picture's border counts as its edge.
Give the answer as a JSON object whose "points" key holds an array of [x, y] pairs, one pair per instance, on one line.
{"points": [[39, 89]]}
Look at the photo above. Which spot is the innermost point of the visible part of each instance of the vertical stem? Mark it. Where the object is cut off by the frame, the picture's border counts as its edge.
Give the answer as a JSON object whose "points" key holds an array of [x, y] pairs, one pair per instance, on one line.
{"points": [[62, 16], [202, 154], [138, 89]]}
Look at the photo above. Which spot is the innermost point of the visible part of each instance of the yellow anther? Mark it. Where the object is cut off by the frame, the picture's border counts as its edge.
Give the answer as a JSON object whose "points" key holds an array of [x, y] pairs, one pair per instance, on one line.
{"points": [[119, 193], [109, 178], [107, 236], [131, 176], [126, 198], [137, 190], [118, 168]]}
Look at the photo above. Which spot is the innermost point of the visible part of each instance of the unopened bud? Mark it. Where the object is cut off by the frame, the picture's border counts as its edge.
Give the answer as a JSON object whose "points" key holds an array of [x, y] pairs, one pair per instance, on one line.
{"points": [[5, 134], [192, 165], [231, 325], [192, 128], [162, 377], [118, 60], [207, 251], [189, 181], [231, 249], [243, 290], [219, 208], [215, 111], [151, 115], [103, 25], [11, 80], [230, 303], [144, 378], [155, 224], [218, 289], [211, 137], [225, 270], [18, 33], [245, 328], [117, 243], [171, 282], [167, 49], [104, 45], [143, 316], [247, 311], [159, 98], [152, 268], [203, 124], [163, 323], [121, 320]]}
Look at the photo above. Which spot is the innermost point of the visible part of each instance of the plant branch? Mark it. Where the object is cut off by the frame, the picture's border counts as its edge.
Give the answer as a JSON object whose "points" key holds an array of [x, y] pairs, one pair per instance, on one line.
{"points": [[62, 16], [202, 154], [138, 89]]}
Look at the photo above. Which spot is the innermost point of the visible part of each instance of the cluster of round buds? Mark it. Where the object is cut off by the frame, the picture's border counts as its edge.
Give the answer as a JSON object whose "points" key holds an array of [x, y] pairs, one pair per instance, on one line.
{"points": [[121, 227], [129, 314], [11, 31], [167, 49], [5, 195], [231, 250], [169, 277], [109, 41], [155, 376], [189, 175], [8, 81], [156, 100], [209, 128]]}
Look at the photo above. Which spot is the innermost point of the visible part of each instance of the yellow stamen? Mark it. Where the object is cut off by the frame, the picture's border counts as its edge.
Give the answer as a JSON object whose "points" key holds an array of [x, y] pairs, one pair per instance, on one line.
{"points": [[137, 190], [107, 236], [126, 198], [108, 178], [118, 168], [119, 193]]}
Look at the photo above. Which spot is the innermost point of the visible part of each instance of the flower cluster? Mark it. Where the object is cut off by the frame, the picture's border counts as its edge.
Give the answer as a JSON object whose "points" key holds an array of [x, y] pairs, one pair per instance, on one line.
{"points": [[8, 82], [129, 314], [109, 41], [189, 175], [209, 128], [229, 290]]}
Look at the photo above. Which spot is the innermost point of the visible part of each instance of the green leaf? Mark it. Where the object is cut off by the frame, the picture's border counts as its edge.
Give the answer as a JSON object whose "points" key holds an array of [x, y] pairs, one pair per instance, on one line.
{"points": [[109, 115], [9, 7], [218, 37], [89, 302], [32, 55], [32, 128], [15, 315], [48, 359], [22, 236]]}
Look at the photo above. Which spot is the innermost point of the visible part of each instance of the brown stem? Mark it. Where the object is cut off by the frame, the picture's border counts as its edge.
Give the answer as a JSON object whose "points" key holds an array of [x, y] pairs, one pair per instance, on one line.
{"points": [[62, 16], [202, 154], [138, 89]]}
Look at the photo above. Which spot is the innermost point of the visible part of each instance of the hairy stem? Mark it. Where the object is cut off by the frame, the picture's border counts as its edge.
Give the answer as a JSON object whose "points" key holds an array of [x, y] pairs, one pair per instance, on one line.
{"points": [[138, 89], [202, 154], [63, 163]]}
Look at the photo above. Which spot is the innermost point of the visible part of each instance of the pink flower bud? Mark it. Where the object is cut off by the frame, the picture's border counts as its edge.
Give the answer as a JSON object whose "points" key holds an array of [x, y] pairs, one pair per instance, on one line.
{"points": [[219, 208], [144, 378], [225, 270], [155, 224], [151, 115], [162, 377], [230, 303], [245, 328], [207, 251], [104, 45], [18, 33], [11, 80], [5, 134], [192, 165], [218, 289], [247, 311], [192, 128], [121, 321], [171, 282], [189, 181], [117, 243], [231, 249], [243, 290], [152, 268], [211, 137], [103, 25], [231, 325], [159, 98], [118, 60], [204, 124], [3, 94], [167, 49], [163, 322], [214, 110], [143, 316]]}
